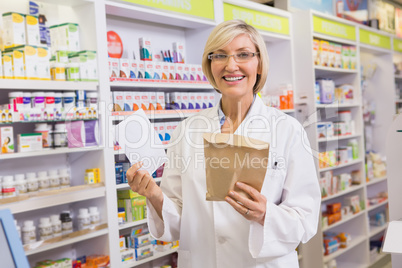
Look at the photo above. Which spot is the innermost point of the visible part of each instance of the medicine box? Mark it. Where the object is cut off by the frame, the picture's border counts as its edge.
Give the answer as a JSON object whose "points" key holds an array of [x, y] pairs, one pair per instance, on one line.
{"points": [[124, 65], [82, 62], [133, 68], [65, 36], [17, 64], [144, 252], [7, 140], [145, 49], [30, 61], [142, 240], [32, 30], [149, 70], [91, 64], [14, 29], [43, 63], [114, 67], [178, 52], [29, 142], [1, 65]]}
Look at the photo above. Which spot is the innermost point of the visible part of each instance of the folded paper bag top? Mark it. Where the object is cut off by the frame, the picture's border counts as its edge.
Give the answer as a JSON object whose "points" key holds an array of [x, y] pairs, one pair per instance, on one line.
{"points": [[231, 158]]}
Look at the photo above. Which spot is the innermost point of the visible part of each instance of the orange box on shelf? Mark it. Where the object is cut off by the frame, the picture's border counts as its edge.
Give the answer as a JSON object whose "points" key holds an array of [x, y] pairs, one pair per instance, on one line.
{"points": [[334, 208], [335, 217]]}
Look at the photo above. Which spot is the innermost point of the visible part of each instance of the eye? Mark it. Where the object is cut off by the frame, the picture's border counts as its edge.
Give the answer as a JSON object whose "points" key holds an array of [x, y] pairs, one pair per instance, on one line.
{"points": [[243, 55], [219, 56]]}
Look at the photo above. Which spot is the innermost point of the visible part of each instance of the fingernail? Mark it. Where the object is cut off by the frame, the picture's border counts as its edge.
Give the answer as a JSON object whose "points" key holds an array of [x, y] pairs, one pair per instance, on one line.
{"points": [[227, 199], [231, 193], [239, 183]]}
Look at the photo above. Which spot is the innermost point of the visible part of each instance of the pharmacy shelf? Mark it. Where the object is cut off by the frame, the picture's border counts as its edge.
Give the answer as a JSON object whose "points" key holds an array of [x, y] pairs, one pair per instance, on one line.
{"points": [[370, 208], [374, 230], [356, 241], [171, 84], [156, 255], [351, 189], [126, 10], [67, 240], [132, 224], [49, 152], [338, 138], [53, 198], [26, 85], [338, 105], [343, 221], [157, 114], [376, 180], [373, 50], [342, 165], [334, 39], [47, 121], [322, 70]]}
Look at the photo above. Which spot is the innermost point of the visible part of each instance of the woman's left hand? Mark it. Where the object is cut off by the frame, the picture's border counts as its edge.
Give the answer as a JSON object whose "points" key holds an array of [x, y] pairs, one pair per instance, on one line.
{"points": [[253, 208]]}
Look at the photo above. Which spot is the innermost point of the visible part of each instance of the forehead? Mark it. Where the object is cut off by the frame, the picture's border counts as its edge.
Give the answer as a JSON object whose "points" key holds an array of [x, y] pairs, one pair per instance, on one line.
{"points": [[242, 41]]}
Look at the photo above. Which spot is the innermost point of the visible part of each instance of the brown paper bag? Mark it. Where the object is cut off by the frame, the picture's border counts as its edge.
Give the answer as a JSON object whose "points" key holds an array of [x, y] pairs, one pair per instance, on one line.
{"points": [[231, 158]]}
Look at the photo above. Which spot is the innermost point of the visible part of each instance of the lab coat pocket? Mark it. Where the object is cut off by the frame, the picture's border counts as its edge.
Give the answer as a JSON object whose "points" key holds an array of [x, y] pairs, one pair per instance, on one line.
{"points": [[273, 185], [184, 258]]}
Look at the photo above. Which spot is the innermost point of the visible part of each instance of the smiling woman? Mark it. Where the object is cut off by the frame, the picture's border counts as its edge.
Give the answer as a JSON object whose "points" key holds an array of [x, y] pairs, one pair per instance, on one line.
{"points": [[263, 228]]}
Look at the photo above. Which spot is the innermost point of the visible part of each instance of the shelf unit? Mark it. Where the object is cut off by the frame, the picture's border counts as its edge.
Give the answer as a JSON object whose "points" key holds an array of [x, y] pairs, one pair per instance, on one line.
{"points": [[397, 59], [309, 25], [44, 204]]}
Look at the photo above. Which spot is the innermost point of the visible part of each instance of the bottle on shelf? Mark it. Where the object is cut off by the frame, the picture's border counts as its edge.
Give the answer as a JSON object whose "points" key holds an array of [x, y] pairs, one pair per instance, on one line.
{"points": [[84, 219], [28, 232], [54, 180], [56, 225], [21, 186], [66, 223], [94, 215], [65, 180], [32, 182], [43, 179], [45, 229], [8, 188]]}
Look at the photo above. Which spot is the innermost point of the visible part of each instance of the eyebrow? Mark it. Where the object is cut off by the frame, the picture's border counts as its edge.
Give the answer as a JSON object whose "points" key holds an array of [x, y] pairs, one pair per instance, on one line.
{"points": [[239, 49]]}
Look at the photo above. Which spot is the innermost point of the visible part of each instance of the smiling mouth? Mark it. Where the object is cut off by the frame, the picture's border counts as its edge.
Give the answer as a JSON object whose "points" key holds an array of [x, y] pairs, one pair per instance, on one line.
{"points": [[232, 79]]}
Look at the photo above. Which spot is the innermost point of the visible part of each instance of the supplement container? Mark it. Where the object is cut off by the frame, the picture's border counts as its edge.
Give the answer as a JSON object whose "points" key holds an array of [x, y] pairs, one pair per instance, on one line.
{"points": [[68, 101], [94, 214], [27, 101], [64, 178], [8, 189], [56, 225], [43, 179], [32, 183], [92, 100], [45, 229], [66, 223], [21, 186], [38, 100], [16, 99], [121, 215], [73, 71], [28, 232], [18, 228], [58, 72], [54, 180], [44, 129], [355, 148], [60, 136], [58, 105], [84, 219]]}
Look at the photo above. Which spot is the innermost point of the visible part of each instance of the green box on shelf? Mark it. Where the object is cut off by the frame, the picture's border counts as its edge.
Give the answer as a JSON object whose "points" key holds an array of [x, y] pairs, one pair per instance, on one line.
{"points": [[123, 194]]}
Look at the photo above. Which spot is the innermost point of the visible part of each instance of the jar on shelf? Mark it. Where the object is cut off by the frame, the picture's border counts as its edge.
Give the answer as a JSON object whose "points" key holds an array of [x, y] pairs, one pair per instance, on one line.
{"points": [[84, 219], [66, 223], [45, 229], [28, 233], [44, 130], [73, 71], [94, 214], [92, 100], [21, 186], [58, 71], [17, 100], [38, 100], [8, 189], [64, 176], [32, 182], [68, 102], [60, 136], [56, 225], [43, 180], [58, 104], [54, 179]]}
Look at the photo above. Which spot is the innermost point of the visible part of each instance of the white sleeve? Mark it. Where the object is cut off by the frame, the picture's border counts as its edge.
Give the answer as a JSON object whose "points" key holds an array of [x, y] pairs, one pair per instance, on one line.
{"points": [[168, 228], [295, 218]]}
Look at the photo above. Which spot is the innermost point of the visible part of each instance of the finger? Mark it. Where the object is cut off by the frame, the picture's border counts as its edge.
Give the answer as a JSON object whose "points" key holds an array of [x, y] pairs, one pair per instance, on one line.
{"points": [[145, 180], [239, 208], [241, 200], [136, 166], [255, 195]]}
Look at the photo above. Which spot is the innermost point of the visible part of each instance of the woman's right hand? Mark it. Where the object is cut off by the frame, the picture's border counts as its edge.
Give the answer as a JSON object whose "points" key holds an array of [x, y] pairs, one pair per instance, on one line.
{"points": [[141, 182]]}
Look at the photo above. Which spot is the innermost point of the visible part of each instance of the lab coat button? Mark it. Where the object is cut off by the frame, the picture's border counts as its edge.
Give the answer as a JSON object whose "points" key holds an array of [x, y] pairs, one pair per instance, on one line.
{"points": [[221, 240]]}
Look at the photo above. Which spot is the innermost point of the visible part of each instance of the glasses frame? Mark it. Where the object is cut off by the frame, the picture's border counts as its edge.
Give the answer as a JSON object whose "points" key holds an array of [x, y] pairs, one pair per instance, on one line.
{"points": [[253, 54]]}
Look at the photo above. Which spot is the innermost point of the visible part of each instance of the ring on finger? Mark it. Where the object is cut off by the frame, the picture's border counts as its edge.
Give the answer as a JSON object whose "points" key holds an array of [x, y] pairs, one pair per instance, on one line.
{"points": [[247, 212]]}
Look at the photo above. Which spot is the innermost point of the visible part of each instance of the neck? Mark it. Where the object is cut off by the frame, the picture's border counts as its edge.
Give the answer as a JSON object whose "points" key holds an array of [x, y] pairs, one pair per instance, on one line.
{"points": [[236, 108]]}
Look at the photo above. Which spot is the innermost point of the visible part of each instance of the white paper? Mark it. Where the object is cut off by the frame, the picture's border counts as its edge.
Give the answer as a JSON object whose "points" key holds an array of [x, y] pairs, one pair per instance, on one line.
{"points": [[140, 142], [393, 238]]}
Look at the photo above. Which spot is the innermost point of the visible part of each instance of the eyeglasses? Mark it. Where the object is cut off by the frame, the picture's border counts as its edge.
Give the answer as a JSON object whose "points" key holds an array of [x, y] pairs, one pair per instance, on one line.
{"points": [[238, 57]]}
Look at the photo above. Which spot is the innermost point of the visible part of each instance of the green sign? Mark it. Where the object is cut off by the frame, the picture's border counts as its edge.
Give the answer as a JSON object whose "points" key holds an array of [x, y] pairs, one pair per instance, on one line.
{"points": [[334, 28], [397, 45], [374, 39], [198, 8], [260, 20]]}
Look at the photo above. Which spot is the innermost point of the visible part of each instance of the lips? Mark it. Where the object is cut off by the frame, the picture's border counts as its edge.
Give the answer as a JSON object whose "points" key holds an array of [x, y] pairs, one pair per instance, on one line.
{"points": [[233, 78]]}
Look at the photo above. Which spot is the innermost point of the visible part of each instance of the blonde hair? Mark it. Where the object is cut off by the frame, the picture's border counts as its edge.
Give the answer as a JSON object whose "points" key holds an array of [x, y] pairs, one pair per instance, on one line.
{"points": [[222, 35]]}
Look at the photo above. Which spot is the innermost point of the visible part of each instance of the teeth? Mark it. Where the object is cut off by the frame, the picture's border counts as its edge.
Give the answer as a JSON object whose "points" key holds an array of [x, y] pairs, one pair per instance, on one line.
{"points": [[233, 78]]}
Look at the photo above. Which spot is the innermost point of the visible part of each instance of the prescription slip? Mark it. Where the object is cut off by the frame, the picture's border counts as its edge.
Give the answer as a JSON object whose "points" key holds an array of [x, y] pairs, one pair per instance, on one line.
{"points": [[140, 142], [231, 158]]}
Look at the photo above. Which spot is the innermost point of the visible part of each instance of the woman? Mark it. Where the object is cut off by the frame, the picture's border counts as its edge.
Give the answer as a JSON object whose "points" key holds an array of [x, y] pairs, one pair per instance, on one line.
{"points": [[264, 229]]}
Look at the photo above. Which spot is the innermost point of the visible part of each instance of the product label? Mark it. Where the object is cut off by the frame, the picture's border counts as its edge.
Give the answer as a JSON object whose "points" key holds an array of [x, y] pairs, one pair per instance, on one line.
{"points": [[374, 39], [398, 45], [31, 20], [17, 18], [260, 20], [198, 8], [333, 28]]}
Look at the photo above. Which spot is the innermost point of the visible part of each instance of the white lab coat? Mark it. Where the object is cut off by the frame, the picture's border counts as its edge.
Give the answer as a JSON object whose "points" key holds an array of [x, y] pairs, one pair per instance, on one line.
{"points": [[212, 234]]}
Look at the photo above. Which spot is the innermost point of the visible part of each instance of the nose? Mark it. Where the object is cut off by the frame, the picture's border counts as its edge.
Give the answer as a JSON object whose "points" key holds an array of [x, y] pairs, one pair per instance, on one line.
{"points": [[231, 64]]}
